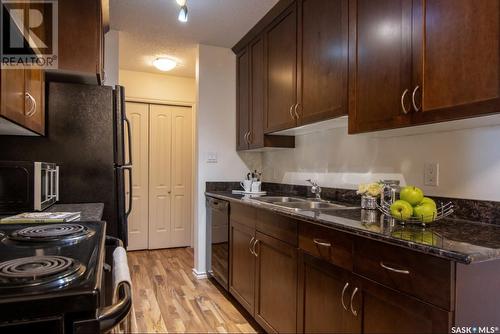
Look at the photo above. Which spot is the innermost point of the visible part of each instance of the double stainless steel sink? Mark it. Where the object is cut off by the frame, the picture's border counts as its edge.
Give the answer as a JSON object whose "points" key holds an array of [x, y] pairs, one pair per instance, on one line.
{"points": [[302, 204]]}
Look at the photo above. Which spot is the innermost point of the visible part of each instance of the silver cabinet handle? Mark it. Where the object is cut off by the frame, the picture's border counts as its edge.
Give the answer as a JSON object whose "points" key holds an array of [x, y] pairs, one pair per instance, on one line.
{"points": [[413, 98], [403, 101], [291, 112], [353, 311], [32, 109], [257, 241], [295, 111], [342, 296], [399, 271], [250, 246], [250, 139], [322, 243]]}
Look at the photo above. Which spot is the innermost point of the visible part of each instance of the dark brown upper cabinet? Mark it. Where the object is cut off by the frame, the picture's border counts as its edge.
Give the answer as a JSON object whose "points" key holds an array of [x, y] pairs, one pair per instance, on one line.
{"points": [[379, 64], [22, 101], [417, 62], [281, 60], [456, 52], [82, 25], [243, 100], [322, 60], [251, 101]]}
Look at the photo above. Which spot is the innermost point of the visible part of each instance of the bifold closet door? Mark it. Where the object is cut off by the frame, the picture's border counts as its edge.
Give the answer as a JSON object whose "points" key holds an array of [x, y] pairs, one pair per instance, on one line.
{"points": [[170, 168], [160, 183], [138, 221], [182, 144]]}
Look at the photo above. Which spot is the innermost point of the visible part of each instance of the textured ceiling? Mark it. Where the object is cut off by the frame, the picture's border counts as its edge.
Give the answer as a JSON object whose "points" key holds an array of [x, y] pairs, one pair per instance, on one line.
{"points": [[149, 28]]}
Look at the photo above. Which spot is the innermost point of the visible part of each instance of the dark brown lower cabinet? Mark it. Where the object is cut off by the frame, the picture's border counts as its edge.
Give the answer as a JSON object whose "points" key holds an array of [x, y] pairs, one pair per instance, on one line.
{"points": [[276, 284], [242, 264], [387, 311], [333, 300], [325, 294]]}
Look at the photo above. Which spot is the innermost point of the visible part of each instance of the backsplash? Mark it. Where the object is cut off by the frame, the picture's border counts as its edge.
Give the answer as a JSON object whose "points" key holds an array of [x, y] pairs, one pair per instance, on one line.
{"points": [[469, 161], [465, 209]]}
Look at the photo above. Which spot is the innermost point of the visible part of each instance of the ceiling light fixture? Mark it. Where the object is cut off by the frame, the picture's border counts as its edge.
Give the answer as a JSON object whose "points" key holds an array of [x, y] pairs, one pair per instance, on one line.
{"points": [[164, 64], [181, 2], [183, 14]]}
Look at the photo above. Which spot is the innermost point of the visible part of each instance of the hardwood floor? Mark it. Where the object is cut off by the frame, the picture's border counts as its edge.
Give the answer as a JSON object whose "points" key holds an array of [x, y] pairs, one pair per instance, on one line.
{"points": [[168, 298]]}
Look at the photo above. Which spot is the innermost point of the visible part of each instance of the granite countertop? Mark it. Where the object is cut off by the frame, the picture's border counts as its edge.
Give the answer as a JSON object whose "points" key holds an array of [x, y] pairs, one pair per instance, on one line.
{"points": [[89, 211], [457, 240]]}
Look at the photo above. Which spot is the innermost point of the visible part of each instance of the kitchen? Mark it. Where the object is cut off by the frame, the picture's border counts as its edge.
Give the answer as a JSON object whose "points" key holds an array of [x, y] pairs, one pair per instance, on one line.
{"points": [[250, 166]]}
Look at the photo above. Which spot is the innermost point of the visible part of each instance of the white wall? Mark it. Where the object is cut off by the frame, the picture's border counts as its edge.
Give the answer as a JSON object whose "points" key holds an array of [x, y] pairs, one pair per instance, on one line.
{"points": [[112, 57], [469, 160], [216, 128], [161, 87]]}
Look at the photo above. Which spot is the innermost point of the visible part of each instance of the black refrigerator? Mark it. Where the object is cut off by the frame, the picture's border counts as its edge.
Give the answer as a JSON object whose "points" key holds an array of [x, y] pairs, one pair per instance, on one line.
{"points": [[86, 137]]}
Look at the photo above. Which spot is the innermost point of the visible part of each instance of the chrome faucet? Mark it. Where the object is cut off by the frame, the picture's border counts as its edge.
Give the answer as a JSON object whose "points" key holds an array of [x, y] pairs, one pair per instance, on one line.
{"points": [[315, 189]]}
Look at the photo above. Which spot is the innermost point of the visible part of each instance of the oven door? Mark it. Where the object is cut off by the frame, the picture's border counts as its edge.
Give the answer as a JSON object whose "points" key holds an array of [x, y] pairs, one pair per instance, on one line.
{"points": [[116, 318]]}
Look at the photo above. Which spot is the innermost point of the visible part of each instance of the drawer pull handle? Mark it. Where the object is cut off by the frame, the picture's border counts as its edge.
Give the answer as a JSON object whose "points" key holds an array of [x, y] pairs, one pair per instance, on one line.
{"points": [[353, 311], [343, 293], [250, 246], [399, 271], [322, 243]]}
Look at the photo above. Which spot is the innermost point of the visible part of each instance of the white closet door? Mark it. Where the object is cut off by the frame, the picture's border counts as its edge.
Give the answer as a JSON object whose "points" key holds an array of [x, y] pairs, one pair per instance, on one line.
{"points": [[180, 231], [137, 113], [160, 186]]}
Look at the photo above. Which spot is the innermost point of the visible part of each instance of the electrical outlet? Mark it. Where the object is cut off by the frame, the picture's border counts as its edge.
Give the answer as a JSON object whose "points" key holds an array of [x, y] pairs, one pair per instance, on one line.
{"points": [[212, 157], [431, 174]]}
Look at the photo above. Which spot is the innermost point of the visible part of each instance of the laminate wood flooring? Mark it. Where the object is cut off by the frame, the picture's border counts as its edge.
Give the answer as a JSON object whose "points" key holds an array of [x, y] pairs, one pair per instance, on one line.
{"points": [[167, 298]]}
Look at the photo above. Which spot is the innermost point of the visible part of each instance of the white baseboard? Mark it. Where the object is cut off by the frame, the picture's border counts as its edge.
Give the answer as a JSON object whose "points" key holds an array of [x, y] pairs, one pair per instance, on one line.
{"points": [[200, 275]]}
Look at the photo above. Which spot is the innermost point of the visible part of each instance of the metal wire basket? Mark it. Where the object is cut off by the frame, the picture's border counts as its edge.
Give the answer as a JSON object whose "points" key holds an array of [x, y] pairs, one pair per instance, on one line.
{"points": [[443, 211]]}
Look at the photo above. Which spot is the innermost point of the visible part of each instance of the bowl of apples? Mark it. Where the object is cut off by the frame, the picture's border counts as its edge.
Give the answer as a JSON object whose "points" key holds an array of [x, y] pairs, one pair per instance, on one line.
{"points": [[414, 207]]}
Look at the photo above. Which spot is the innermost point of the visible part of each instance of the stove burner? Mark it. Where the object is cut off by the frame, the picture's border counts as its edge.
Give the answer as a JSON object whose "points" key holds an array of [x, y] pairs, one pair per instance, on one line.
{"points": [[50, 232], [38, 270]]}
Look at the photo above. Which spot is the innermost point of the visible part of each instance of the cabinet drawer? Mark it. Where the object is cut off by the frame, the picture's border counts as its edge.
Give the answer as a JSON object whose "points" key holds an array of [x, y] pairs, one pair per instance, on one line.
{"points": [[277, 226], [328, 244], [423, 276], [243, 214]]}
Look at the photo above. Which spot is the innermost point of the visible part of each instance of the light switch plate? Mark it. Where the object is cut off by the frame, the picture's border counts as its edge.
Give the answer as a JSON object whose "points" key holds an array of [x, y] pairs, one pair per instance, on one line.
{"points": [[212, 157], [431, 174]]}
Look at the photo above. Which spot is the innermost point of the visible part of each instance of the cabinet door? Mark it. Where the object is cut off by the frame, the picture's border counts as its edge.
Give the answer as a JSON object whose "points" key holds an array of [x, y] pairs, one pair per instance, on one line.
{"points": [[379, 64], [324, 298], [243, 98], [457, 59], [256, 137], [323, 59], [242, 264], [281, 57], [387, 311], [276, 285], [12, 95], [35, 100]]}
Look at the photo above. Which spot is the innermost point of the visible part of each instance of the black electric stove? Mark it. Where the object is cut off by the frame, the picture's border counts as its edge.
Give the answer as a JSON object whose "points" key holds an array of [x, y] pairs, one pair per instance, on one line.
{"points": [[52, 276]]}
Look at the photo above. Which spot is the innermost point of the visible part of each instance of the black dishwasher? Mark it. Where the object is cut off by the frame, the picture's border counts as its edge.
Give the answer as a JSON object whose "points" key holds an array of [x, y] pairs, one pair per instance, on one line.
{"points": [[218, 240]]}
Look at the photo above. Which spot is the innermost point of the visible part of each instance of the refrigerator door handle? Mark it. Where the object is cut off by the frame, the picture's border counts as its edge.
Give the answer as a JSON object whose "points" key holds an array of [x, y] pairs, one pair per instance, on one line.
{"points": [[129, 209], [129, 135]]}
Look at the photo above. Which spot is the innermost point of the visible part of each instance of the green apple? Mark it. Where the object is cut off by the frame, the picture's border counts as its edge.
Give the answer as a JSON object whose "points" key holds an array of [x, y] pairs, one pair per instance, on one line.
{"points": [[411, 194], [430, 201], [401, 210], [425, 212]]}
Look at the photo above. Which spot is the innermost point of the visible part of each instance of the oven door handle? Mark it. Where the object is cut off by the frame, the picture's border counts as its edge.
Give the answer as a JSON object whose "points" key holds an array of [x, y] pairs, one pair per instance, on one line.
{"points": [[110, 316]]}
